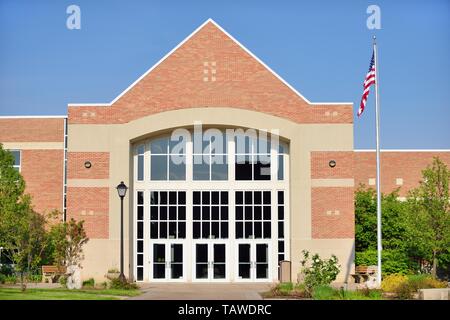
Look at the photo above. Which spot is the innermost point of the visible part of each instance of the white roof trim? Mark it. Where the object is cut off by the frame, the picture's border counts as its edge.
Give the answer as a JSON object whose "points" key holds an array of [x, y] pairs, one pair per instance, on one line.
{"points": [[403, 150], [32, 117], [184, 41]]}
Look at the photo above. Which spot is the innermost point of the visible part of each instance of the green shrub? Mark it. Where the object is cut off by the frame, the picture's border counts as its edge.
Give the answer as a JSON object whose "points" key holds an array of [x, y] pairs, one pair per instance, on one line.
{"points": [[425, 281], [35, 278], [7, 269], [89, 283], [392, 282], [117, 284], [318, 272], [11, 279], [404, 291], [2, 278], [393, 261], [63, 280]]}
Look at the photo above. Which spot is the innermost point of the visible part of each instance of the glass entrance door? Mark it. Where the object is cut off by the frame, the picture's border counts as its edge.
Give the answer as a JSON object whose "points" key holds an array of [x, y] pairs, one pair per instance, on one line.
{"points": [[253, 261], [167, 262], [210, 261]]}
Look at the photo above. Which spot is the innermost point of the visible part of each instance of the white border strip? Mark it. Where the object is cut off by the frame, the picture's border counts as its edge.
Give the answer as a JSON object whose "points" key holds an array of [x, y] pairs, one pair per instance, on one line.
{"points": [[184, 41], [403, 150], [33, 117]]}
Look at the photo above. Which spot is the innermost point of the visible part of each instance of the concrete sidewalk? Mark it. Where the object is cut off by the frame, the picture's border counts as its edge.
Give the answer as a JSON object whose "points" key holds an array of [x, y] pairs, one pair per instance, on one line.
{"points": [[202, 291]]}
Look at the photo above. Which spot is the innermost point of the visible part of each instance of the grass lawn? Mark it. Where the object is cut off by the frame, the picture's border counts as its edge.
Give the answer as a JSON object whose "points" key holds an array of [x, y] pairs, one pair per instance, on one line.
{"points": [[65, 294]]}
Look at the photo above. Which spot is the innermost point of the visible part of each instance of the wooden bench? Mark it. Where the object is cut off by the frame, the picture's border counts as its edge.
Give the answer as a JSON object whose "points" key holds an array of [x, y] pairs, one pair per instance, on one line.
{"points": [[52, 273], [362, 273]]}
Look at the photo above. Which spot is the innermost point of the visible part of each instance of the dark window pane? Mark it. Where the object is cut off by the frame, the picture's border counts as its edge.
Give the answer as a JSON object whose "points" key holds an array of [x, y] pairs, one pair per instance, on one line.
{"points": [[280, 212], [140, 213], [181, 213], [196, 230], [257, 213], [248, 212], [140, 246], [163, 197], [239, 230], [244, 253], [140, 167], [172, 197], [163, 230], [280, 172], [281, 229], [215, 197], [172, 230], [140, 230], [215, 213], [266, 230], [280, 197], [258, 196], [172, 213], [154, 197], [262, 254], [224, 197], [266, 212], [205, 230], [140, 274], [196, 213], [280, 246], [177, 252], [248, 197], [224, 230], [205, 213], [158, 169], [239, 197], [239, 213], [215, 230], [248, 230], [280, 257], [258, 230], [154, 230], [181, 197], [201, 271], [219, 253], [140, 259], [159, 270], [16, 154], [196, 197], [163, 213], [181, 230], [266, 197], [243, 168], [153, 213], [262, 169], [262, 270], [224, 213], [205, 197], [140, 197], [176, 271]]}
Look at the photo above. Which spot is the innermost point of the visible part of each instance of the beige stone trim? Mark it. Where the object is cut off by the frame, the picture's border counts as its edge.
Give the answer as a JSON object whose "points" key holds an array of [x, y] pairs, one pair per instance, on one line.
{"points": [[88, 182], [332, 183], [34, 145]]}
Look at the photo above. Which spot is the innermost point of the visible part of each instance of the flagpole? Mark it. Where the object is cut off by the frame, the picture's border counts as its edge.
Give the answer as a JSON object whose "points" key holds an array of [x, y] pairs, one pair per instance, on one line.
{"points": [[377, 122]]}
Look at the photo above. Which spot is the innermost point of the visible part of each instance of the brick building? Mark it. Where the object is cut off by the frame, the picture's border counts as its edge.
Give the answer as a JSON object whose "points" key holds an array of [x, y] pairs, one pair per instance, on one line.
{"points": [[229, 219]]}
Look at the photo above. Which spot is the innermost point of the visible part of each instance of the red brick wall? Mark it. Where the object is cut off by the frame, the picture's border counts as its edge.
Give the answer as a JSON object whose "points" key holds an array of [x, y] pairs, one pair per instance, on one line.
{"points": [[43, 174], [99, 165], [405, 165], [320, 168], [332, 213], [241, 82], [91, 205], [32, 130]]}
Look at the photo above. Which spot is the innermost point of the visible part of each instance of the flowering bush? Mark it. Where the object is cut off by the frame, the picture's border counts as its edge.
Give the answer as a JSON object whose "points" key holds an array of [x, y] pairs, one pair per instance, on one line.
{"points": [[318, 272], [392, 282]]}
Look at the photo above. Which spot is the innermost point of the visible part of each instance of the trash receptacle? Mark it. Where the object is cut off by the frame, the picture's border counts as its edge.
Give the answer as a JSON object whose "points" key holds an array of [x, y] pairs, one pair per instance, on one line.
{"points": [[284, 271]]}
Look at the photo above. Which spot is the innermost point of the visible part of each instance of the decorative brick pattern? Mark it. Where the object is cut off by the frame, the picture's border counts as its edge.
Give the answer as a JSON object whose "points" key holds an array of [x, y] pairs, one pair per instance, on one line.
{"points": [[332, 213], [99, 165], [405, 165], [320, 168], [239, 82], [43, 174], [92, 206], [32, 130]]}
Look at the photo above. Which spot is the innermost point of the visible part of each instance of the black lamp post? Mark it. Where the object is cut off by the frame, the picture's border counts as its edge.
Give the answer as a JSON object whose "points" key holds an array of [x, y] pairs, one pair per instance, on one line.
{"points": [[122, 191]]}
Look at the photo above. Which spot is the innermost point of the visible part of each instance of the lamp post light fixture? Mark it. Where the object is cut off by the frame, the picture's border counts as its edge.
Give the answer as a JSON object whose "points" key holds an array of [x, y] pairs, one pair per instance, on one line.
{"points": [[122, 191]]}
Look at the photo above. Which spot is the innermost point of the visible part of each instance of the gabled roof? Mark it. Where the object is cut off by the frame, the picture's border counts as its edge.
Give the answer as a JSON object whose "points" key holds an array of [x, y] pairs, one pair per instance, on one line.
{"points": [[209, 21]]}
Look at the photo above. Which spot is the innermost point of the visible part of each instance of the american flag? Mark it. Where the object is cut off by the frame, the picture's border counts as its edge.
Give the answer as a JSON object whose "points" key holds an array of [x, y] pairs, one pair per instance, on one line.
{"points": [[370, 80]]}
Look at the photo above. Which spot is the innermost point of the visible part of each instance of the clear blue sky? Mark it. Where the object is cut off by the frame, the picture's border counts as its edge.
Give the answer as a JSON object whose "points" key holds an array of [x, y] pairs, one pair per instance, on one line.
{"points": [[322, 48]]}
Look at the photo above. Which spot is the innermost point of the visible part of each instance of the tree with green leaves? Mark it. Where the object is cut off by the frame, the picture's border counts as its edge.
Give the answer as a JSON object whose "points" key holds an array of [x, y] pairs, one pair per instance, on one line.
{"points": [[429, 215], [22, 231]]}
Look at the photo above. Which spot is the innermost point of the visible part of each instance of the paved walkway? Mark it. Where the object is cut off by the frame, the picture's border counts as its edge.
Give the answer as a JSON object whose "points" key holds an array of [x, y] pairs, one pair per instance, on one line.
{"points": [[202, 291]]}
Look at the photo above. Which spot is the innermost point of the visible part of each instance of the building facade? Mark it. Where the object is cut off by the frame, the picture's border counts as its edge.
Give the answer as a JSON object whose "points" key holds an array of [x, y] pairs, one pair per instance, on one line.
{"points": [[263, 172]]}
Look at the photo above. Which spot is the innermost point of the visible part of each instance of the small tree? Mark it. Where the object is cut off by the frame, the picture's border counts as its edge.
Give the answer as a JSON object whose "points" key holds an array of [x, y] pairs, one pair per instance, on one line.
{"points": [[22, 231], [429, 214], [318, 272]]}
